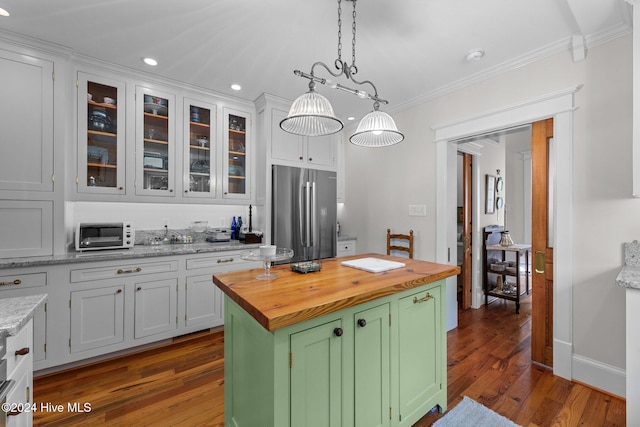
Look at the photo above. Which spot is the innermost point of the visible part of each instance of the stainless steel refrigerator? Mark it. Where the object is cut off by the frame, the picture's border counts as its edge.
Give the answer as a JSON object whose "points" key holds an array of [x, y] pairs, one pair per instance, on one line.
{"points": [[304, 212]]}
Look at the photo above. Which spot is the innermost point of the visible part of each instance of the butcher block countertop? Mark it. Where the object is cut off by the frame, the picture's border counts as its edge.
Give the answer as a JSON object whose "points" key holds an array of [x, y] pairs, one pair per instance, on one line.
{"points": [[295, 297]]}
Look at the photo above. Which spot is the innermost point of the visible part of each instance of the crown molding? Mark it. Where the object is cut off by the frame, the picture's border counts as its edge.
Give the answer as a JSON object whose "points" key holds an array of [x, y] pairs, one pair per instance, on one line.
{"points": [[533, 56]]}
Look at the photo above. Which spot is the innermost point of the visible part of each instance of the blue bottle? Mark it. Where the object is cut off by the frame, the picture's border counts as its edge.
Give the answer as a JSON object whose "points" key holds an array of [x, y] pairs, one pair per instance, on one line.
{"points": [[234, 231]]}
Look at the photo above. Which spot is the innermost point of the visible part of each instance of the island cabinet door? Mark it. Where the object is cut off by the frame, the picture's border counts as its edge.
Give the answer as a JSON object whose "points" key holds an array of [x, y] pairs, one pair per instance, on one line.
{"points": [[316, 376], [419, 353], [371, 367]]}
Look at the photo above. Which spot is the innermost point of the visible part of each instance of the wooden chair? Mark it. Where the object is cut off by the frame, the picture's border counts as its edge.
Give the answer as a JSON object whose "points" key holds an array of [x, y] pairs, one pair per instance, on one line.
{"points": [[409, 242]]}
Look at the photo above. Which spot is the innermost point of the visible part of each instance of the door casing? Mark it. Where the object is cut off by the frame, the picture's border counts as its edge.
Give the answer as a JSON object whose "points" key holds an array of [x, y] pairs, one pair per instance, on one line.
{"points": [[560, 106]]}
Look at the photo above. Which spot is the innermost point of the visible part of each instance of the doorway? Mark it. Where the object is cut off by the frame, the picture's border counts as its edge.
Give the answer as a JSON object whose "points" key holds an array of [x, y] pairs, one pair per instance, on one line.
{"points": [[558, 105]]}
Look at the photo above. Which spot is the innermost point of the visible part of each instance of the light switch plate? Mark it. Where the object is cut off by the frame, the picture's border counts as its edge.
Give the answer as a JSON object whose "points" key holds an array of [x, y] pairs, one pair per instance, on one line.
{"points": [[417, 210]]}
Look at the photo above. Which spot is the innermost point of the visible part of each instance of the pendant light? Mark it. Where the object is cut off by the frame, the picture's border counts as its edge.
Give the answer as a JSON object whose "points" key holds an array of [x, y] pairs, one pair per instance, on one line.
{"points": [[312, 114]]}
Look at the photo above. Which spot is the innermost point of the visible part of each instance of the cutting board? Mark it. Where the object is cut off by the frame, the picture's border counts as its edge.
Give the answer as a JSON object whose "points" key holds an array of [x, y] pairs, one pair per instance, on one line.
{"points": [[373, 265]]}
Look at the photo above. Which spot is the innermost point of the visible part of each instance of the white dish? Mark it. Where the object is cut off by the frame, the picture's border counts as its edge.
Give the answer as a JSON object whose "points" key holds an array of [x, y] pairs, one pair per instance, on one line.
{"points": [[158, 109]]}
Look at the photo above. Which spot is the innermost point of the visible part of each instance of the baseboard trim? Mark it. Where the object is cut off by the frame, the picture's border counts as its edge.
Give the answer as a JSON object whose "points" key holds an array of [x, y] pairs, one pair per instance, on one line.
{"points": [[598, 375]]}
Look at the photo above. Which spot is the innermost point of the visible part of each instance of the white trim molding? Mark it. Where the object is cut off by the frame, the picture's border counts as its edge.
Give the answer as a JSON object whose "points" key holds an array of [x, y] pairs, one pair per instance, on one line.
{"points": [[560, 106], [600, 375]]}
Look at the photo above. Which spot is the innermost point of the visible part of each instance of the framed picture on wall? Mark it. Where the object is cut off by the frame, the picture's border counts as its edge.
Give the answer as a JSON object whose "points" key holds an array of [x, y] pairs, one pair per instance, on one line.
{"points": [[490, 195]]}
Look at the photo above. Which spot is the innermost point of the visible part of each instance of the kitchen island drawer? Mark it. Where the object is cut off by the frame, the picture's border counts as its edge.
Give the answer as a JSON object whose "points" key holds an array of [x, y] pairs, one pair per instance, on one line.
{"points": [[22, 281], [228, 260], [123, 270]]}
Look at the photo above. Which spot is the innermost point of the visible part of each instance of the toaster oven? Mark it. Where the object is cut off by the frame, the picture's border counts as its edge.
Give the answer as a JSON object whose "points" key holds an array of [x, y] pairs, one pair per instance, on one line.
{"points": [[104, 235]]}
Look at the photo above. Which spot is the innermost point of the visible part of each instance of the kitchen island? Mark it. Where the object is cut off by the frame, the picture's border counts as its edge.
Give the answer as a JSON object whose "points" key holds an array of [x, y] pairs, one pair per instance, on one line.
{"points": [[339, 347]]}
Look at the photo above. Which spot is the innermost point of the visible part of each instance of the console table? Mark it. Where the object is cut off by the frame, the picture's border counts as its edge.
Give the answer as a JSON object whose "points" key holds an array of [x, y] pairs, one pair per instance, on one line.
{"points": [[491, 288]]}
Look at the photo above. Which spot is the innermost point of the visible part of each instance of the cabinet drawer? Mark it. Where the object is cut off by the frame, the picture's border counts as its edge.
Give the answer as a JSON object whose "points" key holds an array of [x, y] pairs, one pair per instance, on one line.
{"points": [[23, 281], [346, 248], [228, 261], [122, 270], [19, 348]]}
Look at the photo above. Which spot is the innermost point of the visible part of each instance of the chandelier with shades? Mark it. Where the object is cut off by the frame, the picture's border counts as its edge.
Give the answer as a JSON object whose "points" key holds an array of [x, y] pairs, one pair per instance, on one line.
{"points": [[312, 114]]}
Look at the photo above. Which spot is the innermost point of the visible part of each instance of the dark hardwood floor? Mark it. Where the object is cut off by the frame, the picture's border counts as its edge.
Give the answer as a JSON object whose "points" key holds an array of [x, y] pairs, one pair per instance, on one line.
{"points": [[182, 384]]}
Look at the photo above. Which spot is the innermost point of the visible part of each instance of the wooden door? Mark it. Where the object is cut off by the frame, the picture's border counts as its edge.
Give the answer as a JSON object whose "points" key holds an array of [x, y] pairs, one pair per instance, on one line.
{"points": [[466, 231], [542, 275]]}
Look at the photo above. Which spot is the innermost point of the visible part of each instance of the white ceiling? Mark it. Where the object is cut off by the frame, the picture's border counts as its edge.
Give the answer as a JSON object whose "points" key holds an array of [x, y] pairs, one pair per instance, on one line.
{"points": [[410, 49]]}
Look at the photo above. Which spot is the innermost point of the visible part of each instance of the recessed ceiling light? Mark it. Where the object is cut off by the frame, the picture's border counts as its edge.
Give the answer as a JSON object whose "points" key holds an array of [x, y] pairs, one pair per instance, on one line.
{"points": [[350, 118], [150, 61], [3, 12], [474, 55], [236, 86]]}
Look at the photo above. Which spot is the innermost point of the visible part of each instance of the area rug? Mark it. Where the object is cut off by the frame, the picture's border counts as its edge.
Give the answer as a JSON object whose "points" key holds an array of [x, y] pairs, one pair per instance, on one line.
{"points": [[470, 413]]}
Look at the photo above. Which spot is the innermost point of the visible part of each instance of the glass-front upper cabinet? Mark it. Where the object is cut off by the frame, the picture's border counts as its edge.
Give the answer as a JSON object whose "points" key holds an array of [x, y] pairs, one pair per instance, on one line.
{"points": [[236, 178], [101, 149], [155, 143], [200, 149]]}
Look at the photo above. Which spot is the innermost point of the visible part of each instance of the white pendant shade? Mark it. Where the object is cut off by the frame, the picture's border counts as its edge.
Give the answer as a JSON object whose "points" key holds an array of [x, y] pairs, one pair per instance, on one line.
{"points": [[376, 129], [311, 115]]}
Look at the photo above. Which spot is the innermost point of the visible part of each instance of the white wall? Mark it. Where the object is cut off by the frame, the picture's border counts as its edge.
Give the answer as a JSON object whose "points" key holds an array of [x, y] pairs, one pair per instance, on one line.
{"points": [[382, 182], [515, 191]]}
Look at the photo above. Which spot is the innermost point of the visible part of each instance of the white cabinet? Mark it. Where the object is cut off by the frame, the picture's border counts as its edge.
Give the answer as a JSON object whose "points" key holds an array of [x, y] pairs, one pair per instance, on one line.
{"points": [[17, 283], [155, 142], [236, 169], [203, 301], [115, 304], [26, 228], [20, 369], [346, 248], [97, 317], [101, 135], [288, 149], [156, 307], [200, 149], [26, 120], [27, 155]]}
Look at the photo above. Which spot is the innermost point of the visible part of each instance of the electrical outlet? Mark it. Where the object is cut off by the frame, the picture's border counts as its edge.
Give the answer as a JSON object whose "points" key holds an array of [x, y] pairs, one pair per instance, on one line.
{"points": [[417, 210], [165, 222]]}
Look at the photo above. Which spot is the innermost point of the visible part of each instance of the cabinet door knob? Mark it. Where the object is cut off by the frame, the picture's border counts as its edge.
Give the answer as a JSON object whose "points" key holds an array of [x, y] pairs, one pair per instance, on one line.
{"points": [[301, 158], [139, 288], [337, 332], [119, 291], [362, 323], [120, 188], [23, 351], [310, 159]]}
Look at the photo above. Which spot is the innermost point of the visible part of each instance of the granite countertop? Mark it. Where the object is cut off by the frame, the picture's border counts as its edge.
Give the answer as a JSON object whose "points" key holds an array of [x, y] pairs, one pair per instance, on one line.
{"points": [[629, 276], [16, 312], [138, 251], [342, 238]]}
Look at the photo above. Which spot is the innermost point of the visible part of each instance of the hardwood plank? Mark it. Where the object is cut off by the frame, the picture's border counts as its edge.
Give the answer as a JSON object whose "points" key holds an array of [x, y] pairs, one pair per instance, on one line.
{"points": [[182, 384]]}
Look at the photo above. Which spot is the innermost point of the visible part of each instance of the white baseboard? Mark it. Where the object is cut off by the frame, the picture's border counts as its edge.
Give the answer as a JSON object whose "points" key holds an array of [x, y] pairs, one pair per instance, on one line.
{"points": [[600, 375]]}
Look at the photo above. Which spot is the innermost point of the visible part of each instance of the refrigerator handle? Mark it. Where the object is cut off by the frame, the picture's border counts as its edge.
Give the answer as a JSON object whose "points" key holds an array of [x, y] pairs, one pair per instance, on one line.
{"points": [[314, 215], [307, 214]]}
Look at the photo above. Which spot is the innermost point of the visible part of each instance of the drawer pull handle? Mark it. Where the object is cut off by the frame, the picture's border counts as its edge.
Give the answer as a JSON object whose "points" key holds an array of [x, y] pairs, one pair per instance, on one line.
{"points": [[225, 260], [15, 282], [23, 351], [426, 298], [135, 270]]}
